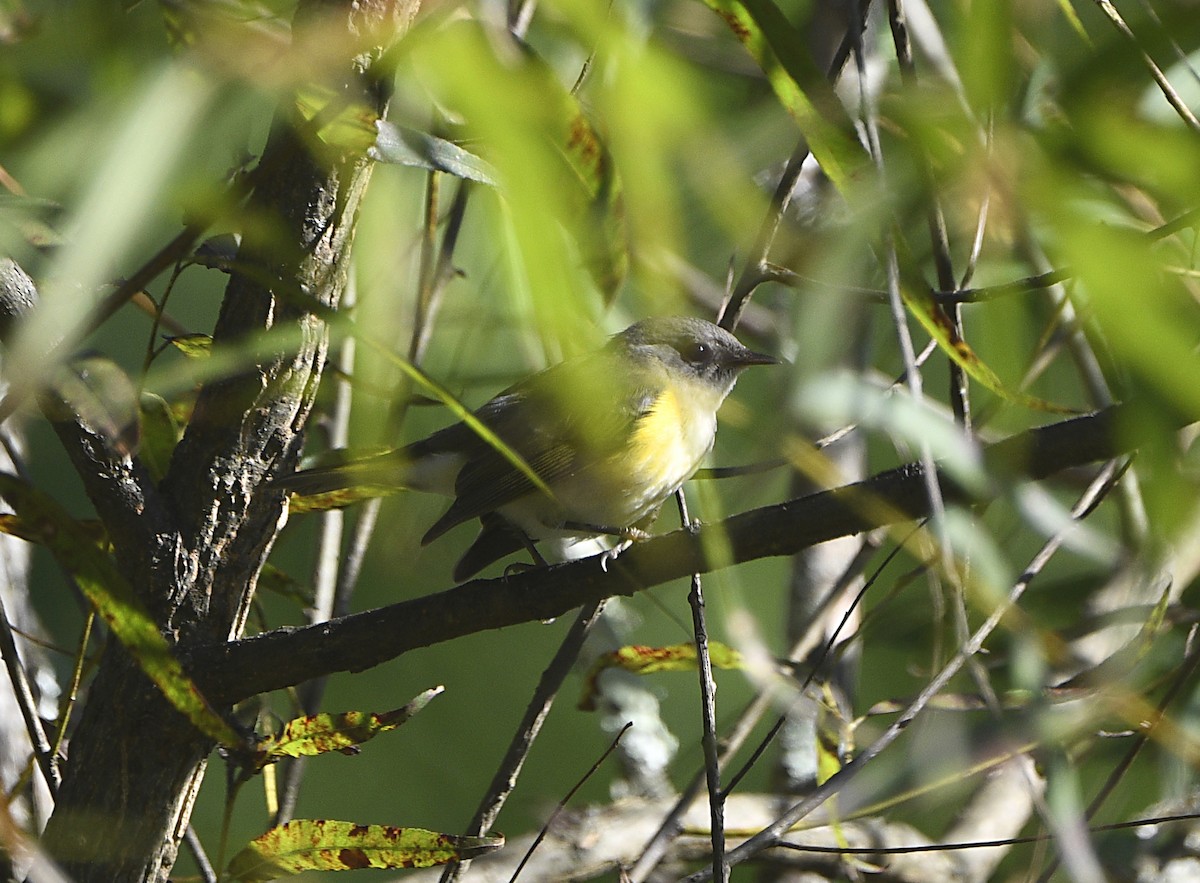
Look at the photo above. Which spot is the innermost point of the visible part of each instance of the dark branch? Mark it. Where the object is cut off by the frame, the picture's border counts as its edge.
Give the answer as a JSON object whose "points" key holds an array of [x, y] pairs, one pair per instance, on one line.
{"points": [[139, 524], [289, 656]]}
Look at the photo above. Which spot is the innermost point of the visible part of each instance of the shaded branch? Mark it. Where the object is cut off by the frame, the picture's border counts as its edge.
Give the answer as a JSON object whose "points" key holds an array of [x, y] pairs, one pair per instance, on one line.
{"points": [[289, 656]]}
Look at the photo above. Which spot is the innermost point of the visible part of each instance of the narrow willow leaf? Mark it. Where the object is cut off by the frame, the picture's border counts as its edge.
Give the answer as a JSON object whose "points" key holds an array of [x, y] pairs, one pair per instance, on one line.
{"points": [[643, 660], [799, 84], [35, 532], [272, 579], [339, 499], [410, 147], [76, 552], [937, 322], [540, 141], [461, 411], [329, 845], [323, 733]]}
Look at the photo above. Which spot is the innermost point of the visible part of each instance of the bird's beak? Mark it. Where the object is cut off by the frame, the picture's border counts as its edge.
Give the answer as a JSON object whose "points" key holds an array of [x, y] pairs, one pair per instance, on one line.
{"points": [[747, 357]]}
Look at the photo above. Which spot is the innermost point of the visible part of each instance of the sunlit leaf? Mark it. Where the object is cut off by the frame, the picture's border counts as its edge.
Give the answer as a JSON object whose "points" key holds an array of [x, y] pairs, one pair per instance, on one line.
{"points": [[937, 323], [194, 346], [299, 504], [323, 733], [345, 125], [552, 166], [35, 532], [643, 660], [800, 85], [75, 549], [329, 845]]}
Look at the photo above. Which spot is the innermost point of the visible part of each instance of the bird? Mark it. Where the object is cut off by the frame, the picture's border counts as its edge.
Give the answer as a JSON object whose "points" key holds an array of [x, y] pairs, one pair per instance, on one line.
{"points": [[610, 435]]}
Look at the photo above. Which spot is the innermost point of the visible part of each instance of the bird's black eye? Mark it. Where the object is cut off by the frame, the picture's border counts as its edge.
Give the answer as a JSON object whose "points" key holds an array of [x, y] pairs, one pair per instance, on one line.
{"points": [[696, 352]]}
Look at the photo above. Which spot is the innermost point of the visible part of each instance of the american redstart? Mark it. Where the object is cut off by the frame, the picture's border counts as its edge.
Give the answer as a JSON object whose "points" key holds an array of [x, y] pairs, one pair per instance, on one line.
{"points": [[611, 433]]}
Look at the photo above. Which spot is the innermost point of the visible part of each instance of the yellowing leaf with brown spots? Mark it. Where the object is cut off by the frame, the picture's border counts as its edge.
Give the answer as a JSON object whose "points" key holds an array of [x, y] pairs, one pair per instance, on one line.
{"points": [[937, 322], [323, 733], [328, 845], [643, 660]]}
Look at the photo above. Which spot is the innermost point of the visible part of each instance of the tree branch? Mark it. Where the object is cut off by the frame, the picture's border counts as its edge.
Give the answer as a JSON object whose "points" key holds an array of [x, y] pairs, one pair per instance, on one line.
{"points": [[289, 656]]}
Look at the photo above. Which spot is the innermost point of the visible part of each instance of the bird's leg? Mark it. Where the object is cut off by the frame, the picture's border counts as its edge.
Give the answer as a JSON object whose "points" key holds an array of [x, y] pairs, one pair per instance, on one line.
{"points": [[521, 566]]}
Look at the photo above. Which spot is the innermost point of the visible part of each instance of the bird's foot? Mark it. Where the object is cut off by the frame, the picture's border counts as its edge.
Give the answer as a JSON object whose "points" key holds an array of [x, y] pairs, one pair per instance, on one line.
{"points": [[518, 567], [629, 536]]}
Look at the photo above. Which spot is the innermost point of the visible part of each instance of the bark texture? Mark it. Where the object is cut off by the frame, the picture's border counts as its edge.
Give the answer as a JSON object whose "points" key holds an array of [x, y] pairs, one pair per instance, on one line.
{"points": [[193, 547]]}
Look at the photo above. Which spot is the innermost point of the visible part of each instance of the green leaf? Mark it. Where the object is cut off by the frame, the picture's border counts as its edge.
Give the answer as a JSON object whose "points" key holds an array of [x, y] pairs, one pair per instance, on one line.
{"points": [[553, 168], [643, 660], [800, 85], [329, 845], [160, 434], [276, 581], [461, 411], [936, 321], [410, 147], [33, 532], [76, 551], [323, 733]]}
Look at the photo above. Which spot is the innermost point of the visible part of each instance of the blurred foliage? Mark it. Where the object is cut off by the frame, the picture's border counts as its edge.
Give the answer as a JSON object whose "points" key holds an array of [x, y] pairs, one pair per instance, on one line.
{"points": [[624, 157]]}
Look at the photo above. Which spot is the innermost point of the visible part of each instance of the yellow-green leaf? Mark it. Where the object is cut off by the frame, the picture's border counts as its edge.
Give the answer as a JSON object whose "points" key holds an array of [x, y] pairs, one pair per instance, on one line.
{"points": [[76, 551], [322, 733], [800, 85], [329, 845], [194, 346], [339, 499], [643, 660], [35, 532], [345, 125]]}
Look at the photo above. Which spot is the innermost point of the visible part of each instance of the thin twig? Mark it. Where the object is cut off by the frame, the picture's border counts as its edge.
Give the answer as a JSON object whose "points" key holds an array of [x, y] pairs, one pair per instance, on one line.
{"points": [[749, 718], [1173, 98], [758, 268], [567, 799], [207, 873], [72, 694], [1184, 674], [23, 694], [772, 834], [527, 731], [708, 713], [826, 648]]}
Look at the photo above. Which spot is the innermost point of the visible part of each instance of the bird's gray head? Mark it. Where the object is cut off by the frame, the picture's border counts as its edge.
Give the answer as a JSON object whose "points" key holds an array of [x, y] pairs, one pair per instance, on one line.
{"points": [[698, 349]]}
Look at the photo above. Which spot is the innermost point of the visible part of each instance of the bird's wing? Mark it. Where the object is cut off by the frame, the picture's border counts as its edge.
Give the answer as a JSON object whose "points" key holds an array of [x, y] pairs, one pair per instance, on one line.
{"points": [[559, 422]]}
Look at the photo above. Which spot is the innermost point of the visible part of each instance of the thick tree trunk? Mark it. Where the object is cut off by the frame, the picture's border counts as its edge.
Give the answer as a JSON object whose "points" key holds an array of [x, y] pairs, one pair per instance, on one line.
{"points": [[193, 548]]}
